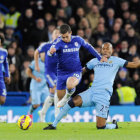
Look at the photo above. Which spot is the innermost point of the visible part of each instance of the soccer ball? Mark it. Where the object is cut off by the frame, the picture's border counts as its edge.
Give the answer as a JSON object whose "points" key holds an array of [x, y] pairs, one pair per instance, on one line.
{"points": [[24, 122]]}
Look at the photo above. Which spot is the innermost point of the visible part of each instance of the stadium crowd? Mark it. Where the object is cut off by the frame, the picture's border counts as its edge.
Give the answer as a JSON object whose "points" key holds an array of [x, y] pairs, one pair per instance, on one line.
{"points": [[28, 23]]}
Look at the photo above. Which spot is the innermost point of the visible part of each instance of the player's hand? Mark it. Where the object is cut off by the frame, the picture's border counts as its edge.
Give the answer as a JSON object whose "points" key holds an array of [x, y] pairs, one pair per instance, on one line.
{"points": [[38, 79], [37, 68], [104, 59], [7, 80], [52, 50]]}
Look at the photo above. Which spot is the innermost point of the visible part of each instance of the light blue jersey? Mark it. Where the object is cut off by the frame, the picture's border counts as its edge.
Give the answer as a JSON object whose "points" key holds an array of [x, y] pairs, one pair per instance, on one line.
{"points": [[105, 72], [34, 84], [100, 93]]}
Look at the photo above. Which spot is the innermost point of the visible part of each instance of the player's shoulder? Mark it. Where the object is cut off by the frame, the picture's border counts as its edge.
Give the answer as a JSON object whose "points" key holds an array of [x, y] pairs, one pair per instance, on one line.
{"points": [[2, 50], [76, 37], [115, 58], [57, 40]]}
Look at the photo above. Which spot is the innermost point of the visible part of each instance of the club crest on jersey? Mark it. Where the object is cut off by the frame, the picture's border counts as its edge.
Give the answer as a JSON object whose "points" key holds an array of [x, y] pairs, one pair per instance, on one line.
{"points": [[76, 44], [110, 62]]}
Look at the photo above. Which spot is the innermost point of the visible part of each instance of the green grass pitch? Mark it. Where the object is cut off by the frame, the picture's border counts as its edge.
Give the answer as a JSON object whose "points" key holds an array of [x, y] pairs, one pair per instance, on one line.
{"points": [[70, 131]]}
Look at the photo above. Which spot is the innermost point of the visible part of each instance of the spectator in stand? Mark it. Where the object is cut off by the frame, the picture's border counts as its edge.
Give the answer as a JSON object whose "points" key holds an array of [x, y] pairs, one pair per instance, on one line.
{"points": [[136, 81], [36, 34], [60, 22], [88, 35], [9, 36], [132, 37], [25, 24], [80, 32], [11, 19], [73, 25], [67, 9], [88, 6], [110, 18], [102, 20], [14, 74], [13, 58], [30, 53], [134, 22], [126, 17], [80, 13], [123, 53], [84, 24], [115, 40], [48, 18], [132, 52], [101, 6], [25, 80], [101, 33], [93, 17], [1, 22], [61, 15], [135, 6]]}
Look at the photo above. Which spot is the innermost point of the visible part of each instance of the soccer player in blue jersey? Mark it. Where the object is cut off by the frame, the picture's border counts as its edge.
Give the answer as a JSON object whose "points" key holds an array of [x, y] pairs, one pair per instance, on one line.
{"points": [[6, 76], [50, 74], [69, 67], [100, 93], [38, 87]]}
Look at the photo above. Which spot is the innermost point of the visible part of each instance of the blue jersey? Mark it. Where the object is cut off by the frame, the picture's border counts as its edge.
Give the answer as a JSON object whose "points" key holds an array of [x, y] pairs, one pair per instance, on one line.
{"points": [[50, 62], [34, 84], [68, 54], [4, 63], [105, 72]]}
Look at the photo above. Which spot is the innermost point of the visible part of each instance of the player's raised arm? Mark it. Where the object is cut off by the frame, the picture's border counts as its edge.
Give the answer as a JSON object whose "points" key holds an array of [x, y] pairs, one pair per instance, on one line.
{"points": [[133, 64], [91, 49]]}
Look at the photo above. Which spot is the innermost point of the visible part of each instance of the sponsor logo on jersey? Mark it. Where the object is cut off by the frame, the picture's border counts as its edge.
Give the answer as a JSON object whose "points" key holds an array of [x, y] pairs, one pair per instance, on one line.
{"points": [[71, 50]]}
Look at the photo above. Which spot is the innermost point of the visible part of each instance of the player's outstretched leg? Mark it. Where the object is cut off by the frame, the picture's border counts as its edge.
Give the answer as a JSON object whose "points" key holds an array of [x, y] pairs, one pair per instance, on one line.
{"points": [[76, 101], [72, 82], [48, 102]]}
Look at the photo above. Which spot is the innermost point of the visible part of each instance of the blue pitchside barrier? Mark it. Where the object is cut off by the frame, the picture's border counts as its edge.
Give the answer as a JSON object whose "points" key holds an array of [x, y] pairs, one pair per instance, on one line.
{"points": [[120, 113]]}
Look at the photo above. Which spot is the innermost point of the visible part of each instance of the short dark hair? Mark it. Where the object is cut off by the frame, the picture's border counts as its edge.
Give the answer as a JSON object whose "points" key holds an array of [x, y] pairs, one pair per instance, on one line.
{"points": [[65, 28], [2, 38]]}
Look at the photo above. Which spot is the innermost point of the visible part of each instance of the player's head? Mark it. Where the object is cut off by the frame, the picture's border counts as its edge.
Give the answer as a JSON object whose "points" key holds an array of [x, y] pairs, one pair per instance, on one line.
{"points": [[107, 49], [55, 34], [65, 32], [1, 39]]}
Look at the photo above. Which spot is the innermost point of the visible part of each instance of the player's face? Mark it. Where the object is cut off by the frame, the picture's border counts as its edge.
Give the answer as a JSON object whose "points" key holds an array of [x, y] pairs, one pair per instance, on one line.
{"points": [[107, 50], [66, 37], [55, 34]]}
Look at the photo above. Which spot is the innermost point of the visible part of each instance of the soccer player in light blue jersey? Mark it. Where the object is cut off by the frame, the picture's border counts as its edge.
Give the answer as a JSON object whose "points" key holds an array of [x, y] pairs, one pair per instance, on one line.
{"points": [[69, 67], [100, 93], [6, 77], [50, 74], [38, 87]]}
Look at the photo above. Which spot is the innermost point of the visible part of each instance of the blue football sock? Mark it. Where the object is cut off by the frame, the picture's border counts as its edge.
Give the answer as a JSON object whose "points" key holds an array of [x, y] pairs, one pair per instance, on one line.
{"points": [[62, 113], [110, 126]]}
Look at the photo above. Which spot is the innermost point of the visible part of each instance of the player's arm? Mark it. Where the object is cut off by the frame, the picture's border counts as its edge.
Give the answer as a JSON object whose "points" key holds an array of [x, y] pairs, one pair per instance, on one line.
{"points": [[89, 66], [91, 49], [41, 49], [36, 57], [132, 64], [30, 74], [6, 68]]}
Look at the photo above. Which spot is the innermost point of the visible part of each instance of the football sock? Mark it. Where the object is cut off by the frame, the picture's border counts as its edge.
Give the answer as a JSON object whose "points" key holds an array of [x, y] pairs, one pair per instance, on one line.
{"points": [[31, 109], [69, 92], [57, 110], [62, 113], [48, 102]]}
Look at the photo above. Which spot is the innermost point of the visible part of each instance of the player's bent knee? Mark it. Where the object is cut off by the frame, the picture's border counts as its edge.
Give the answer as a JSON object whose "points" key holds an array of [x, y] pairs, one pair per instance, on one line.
{"points": [[2, 100], [77, 100]]}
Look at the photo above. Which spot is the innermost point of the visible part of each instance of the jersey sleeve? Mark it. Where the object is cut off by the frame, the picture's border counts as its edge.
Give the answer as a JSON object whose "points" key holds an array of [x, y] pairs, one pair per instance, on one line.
{"points": [[6, 67], [90, 65], [32, 65], [44, 47], [121, 62], [90, 48], [56, 44]]}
